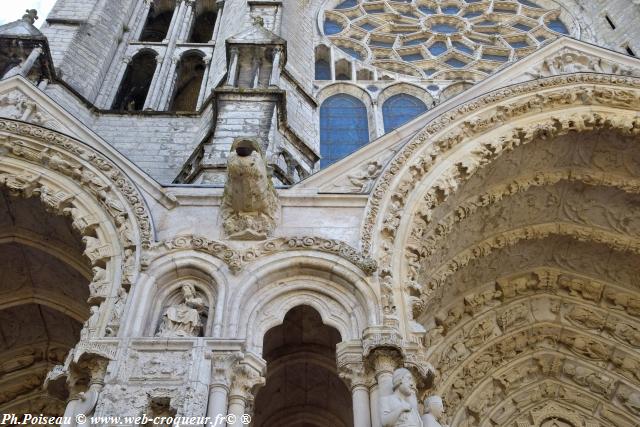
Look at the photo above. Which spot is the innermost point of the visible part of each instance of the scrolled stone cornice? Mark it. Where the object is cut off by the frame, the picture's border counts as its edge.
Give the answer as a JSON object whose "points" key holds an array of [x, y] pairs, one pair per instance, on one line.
{"points": [[238, 259]]}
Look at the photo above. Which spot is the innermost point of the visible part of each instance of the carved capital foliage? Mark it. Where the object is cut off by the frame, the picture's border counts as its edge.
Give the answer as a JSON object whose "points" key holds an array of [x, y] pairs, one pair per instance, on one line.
{"points": [[223, 364], [245, 382]]}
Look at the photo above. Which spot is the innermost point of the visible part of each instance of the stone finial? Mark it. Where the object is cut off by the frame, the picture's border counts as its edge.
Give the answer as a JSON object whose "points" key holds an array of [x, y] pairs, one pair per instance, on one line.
{"points": [[31, 16], [249, 202]]}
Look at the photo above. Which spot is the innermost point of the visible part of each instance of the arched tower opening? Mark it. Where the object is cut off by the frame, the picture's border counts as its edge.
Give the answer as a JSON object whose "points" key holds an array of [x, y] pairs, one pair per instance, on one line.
{"points": [[303, 388], [204, 22], [158, 21], [136, 82], [190, 72]]}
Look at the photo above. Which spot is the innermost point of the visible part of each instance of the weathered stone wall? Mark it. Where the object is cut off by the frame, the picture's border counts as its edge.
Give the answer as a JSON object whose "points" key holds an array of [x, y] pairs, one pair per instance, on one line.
{"points": [[84, 35]]}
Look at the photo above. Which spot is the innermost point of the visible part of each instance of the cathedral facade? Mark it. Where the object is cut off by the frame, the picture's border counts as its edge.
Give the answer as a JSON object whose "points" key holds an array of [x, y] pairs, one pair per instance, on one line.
{"points": [[321, 213]]}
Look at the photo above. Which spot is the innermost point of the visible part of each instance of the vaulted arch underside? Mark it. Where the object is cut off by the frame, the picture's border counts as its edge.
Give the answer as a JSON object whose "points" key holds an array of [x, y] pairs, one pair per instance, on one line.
{"points": [[525, 279], [43, 292]]}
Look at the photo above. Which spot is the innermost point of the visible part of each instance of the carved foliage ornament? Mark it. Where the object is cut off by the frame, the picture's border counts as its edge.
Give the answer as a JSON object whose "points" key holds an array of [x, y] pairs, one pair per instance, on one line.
{"points": [[237, 259], [69, 158]]}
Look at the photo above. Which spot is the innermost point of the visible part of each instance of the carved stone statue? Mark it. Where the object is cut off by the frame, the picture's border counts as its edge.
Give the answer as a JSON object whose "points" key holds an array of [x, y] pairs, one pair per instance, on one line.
{"points": [[183, 320], [249, 202], [92, 323], [400, 408], [433, 411]]}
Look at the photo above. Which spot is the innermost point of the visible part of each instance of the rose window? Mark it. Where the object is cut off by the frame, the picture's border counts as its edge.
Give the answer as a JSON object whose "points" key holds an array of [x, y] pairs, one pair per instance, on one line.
{"points": [[442, 39]]}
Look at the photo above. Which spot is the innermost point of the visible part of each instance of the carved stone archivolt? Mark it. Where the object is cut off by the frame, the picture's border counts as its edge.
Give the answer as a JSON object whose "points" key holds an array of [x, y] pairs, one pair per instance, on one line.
{"points": [[506, 350], [412, 214]]}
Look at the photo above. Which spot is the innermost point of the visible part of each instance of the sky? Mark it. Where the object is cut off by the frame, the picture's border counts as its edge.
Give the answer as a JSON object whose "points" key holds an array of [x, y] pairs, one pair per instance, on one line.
{"points": [[11, 10]]}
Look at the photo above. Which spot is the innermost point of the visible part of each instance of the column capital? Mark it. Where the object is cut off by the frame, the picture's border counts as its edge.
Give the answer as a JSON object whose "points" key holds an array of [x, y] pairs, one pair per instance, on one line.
{"points": [[246, 380], [223, 364], [356, 375]]}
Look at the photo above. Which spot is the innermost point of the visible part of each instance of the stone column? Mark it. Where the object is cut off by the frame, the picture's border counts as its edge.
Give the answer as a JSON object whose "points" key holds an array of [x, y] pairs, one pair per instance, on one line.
{"points": [[358, 380], [232, 75], [155, 83], [332, 63], [176, 18], [144, 14], [164, 96], [384, 363], [188, 21], [274, 80], [256, 64], [205, 79], [222, 365], [247, 378], [378, 118]]}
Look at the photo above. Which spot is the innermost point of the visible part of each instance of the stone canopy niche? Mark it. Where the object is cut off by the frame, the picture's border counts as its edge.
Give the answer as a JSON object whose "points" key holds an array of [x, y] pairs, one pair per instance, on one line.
{"points": [[303, 388], [43, 292]]}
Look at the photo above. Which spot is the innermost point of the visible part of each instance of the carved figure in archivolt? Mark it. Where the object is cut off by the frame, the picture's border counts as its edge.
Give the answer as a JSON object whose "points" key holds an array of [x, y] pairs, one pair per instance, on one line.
{"points": [[433, 412], [400, 409], [185, 318]]}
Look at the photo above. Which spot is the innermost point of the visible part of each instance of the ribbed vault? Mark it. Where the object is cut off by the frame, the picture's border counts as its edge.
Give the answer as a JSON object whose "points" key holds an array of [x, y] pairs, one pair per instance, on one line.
{"points": [[526, 279]]}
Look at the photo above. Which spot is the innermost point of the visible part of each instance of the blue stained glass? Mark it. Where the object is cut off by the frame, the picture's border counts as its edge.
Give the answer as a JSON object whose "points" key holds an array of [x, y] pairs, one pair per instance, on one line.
{"points": [[438, 48], [351, 51], [413, 42], [347, 4], [444, 28], [367, 26], [491, 57], [472, 14], [504, 10], [522, 27], [450, 10], [377, 10], [429, 71], [380, 43], [399, 109], [558, 26], [427, 10], [528, 3], [343, 128], [462, 47], [456, 63], [518, 44], [331, 27], [412, 57], [323, 70]]}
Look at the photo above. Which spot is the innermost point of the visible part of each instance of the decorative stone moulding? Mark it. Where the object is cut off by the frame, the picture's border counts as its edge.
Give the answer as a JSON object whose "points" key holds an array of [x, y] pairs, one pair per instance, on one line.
{"points": [[237, 259], [442, 39]]}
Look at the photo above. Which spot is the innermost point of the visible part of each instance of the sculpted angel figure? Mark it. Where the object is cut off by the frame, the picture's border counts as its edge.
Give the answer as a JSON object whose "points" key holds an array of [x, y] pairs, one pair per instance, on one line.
{"points": [[400, 408], [183, 319]]}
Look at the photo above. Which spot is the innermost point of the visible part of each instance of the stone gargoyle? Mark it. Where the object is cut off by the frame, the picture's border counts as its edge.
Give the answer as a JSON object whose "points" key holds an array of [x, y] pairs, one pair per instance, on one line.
{"points": [[249, 202]]}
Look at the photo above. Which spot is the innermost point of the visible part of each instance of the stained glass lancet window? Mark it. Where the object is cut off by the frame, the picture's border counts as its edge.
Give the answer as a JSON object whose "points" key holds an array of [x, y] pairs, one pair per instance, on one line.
{"points": [[399, 109], [343, 127]]}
